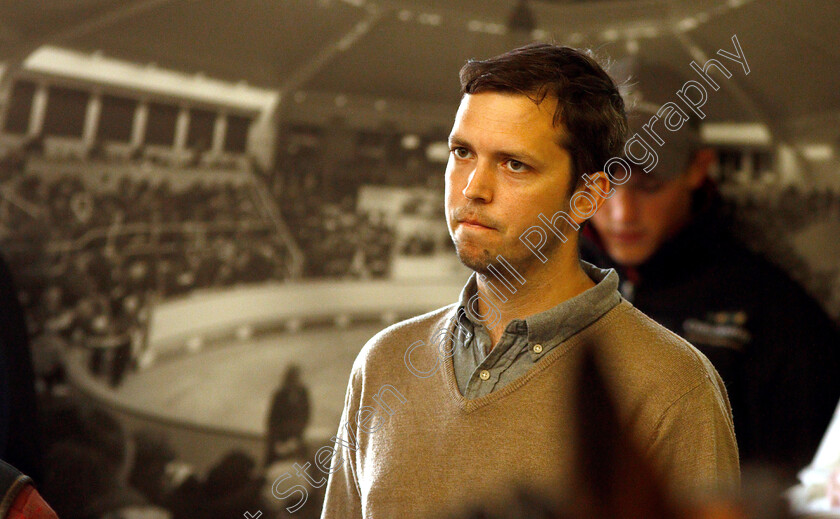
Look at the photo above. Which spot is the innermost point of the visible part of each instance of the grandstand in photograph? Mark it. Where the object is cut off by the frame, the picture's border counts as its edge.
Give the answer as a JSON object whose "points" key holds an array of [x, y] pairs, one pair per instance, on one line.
{"points": [[80, 104]]}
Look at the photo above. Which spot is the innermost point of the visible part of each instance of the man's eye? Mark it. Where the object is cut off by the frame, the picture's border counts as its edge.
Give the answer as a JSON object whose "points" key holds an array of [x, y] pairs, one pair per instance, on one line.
{"points": [[461, 153], [516, 166]]}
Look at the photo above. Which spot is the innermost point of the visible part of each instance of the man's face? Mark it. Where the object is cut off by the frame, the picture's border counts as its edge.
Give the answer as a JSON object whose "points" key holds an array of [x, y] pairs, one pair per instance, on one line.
{"points": [[642, 215], [505, 168]]}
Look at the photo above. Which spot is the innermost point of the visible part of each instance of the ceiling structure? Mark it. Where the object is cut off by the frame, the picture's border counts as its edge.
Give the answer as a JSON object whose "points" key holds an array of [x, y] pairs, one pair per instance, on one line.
{"points": [[410, 51]]}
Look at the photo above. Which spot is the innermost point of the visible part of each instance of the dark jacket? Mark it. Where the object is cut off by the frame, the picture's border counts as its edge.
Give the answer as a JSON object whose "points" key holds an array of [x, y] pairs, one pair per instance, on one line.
{"points": [[775, 348]]}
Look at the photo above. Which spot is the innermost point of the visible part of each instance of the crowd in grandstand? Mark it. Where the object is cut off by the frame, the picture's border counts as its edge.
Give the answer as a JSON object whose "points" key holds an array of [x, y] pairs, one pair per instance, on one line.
{"points": [[67, 207], [338, 241], [89, 259]]}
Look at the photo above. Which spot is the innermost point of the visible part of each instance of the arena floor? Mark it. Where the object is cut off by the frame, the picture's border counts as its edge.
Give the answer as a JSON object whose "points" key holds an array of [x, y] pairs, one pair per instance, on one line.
{"points": [[230, 386]]}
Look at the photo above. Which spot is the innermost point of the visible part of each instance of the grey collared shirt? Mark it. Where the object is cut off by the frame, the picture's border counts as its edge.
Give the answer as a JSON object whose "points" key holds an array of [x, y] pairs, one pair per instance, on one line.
{"points": [[524, 341]]}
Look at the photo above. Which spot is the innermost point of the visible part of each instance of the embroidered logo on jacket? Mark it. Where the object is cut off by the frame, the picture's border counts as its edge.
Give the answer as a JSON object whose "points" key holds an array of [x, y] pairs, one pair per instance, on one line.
{"points": [[721, 329]]}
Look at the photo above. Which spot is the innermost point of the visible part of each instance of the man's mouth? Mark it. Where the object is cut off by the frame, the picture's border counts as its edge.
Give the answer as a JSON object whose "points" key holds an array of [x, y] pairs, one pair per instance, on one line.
{"points": [[473, 223], [627, 237]]}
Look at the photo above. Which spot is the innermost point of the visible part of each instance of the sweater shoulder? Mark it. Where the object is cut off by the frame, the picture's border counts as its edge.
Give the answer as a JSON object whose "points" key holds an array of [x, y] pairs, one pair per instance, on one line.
{"points": [[386, 349], [645, 354]]}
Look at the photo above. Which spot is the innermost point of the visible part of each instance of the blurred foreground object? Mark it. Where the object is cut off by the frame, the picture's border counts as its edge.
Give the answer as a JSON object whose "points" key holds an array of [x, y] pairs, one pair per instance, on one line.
{"points": [[18, 497], [19, 428], [819, 491]]}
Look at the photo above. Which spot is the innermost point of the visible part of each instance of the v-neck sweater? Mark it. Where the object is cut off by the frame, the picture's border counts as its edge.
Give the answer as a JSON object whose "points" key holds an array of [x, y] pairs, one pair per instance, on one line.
{"points": [[418, 448]]}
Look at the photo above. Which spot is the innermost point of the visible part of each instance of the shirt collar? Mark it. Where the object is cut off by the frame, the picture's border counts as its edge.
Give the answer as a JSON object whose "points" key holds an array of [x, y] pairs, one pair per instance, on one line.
{"points": [[556, 324]]}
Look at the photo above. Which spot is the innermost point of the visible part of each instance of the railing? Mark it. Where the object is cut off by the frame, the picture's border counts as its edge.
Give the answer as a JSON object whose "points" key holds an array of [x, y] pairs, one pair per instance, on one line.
{"points": [[295, 266]]}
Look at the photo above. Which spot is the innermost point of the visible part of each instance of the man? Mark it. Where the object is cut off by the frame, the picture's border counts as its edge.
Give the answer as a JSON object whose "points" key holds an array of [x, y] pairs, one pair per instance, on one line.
{"points": [[774, 347], [533, 125]]}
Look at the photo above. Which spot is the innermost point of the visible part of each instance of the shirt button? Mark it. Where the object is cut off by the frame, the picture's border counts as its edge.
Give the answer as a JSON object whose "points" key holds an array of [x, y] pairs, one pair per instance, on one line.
{"points": [[484, 375], [537, 348]]}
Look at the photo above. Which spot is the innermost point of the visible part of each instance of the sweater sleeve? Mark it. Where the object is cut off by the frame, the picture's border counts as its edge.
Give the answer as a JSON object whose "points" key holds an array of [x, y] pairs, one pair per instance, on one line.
{"points": [[343, 497], [694, 443]]}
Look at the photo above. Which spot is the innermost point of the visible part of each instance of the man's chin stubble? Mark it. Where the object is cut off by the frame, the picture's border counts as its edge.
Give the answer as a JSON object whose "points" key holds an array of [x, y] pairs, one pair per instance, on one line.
{"points": [[481, 263], [523, 261], [478, 263]]}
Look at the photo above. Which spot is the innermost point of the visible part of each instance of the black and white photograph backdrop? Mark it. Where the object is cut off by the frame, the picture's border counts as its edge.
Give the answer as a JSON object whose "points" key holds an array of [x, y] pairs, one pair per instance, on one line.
{"points": [[207, 207]]}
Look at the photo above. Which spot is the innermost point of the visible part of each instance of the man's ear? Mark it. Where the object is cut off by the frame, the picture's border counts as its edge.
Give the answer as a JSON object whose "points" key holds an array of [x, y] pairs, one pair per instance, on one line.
{"points": [[589, 195], [698, 170]]}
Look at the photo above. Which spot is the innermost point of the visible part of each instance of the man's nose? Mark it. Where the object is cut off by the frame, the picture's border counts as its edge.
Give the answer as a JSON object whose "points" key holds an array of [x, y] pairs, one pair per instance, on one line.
{"points": [[480, 183], [623, 206]]}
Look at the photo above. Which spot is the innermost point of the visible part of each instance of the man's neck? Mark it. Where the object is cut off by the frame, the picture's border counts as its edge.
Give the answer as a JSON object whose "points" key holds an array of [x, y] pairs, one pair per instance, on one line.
{"points": [[546, 287]]}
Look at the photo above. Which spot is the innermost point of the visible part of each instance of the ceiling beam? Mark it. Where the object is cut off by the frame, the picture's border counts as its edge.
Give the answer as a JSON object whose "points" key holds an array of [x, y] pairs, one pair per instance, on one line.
{"points": [[325, 56]]}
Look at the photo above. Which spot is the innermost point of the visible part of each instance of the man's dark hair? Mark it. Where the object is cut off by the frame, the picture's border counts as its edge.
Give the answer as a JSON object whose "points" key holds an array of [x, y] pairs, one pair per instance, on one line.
{"points": [[590, 108]]}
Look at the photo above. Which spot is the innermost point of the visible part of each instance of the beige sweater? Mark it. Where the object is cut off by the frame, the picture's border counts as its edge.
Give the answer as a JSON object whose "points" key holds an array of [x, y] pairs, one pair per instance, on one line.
{"points": [[422, 449]]}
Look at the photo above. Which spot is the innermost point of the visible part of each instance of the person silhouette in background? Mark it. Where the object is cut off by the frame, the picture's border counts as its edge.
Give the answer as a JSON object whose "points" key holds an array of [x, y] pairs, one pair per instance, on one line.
{"points": [[288, 417]]}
